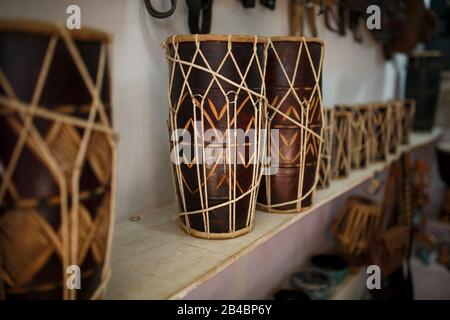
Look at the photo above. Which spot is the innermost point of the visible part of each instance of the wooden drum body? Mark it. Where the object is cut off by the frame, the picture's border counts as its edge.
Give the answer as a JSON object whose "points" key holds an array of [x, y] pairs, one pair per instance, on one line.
{"points": [[395, 125], [360, 126], [57, 152], [294, 67], [216, 85], [381, 130], [355, 227], [341, 151], [325, 158]]}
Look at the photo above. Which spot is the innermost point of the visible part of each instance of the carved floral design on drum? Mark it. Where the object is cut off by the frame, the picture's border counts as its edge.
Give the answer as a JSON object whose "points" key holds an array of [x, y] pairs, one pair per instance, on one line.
{"points": [[58, 154]]}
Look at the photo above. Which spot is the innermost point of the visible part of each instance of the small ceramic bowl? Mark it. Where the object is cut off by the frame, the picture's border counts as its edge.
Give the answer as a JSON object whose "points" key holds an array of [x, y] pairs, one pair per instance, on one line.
{"points": [[315, 283], [334, 266]]}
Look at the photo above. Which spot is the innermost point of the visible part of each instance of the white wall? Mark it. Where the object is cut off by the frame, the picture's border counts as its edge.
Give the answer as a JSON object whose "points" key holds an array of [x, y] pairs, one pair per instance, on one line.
{"points": [[352, 73]]}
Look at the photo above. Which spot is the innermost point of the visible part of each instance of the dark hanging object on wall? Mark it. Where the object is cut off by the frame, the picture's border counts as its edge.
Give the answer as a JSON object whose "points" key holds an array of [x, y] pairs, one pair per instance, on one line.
{"points": [[422, 84], [297, 10], [270, 4], [419, 26], [199, 10], [392, 19], [160, 14], [58, 152], [335, 18], [346, 14]]}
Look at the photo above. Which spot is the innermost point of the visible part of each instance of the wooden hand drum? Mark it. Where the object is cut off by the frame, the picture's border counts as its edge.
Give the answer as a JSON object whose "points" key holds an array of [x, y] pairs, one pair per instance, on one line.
{"points": [[341, 151], [360, 127], [381, 130], [216, 95], [294, 68], [355, 227], [57, 152], [325, 158], [395, 125]]}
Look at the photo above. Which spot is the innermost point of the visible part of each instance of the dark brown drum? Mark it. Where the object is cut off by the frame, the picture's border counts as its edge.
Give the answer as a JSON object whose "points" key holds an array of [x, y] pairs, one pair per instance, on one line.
{"points": [[360, 127], [57, 152], [341, 151], [294, 68], [381, 128], [216, 88], [408, 112], [422, 84], [395, 125]]}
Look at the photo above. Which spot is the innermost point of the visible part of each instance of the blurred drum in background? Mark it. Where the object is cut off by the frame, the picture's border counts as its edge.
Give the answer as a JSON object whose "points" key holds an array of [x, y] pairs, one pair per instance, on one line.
{"points": [[341, 151], [58, 154], [327, 146], [381, 131]]}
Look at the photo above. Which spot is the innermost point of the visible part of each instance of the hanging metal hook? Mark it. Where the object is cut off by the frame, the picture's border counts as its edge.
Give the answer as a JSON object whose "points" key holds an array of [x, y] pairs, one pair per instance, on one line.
{"points": [[158, 14]]}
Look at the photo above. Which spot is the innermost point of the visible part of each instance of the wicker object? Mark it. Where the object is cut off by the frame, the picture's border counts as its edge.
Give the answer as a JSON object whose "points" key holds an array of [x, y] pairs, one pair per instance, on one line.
{"points": [[58, 152]]}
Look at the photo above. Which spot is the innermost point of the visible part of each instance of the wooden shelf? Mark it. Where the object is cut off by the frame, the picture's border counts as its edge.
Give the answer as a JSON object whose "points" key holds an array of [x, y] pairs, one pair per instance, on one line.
{"points": [[154, 259], [353, 286]]}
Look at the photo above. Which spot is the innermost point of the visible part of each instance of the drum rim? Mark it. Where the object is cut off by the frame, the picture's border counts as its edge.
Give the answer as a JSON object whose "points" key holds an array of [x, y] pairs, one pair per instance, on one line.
{"points": [[49, 28], [177, 38], [296, 39]]}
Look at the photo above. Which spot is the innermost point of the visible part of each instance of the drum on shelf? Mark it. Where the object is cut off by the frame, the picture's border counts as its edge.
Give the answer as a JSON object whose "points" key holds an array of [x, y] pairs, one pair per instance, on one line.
{"points": [[395, 125], [293, 89], [407, 114], [216, 95], [360, 126], [355, 227], [58, 154], [341, 149], [325, 158], [381, 131]]}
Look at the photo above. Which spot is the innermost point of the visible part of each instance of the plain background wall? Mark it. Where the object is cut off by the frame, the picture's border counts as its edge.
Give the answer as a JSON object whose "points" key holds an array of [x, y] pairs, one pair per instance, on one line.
{"points": [[352, 73]]}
